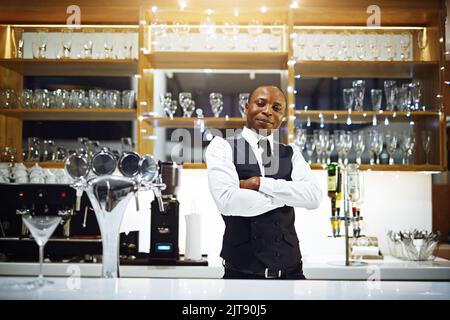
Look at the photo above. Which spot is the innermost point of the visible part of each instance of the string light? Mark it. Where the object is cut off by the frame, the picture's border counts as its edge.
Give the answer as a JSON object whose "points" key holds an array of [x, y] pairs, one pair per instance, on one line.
{"points": [[154, 9], [236, 12], [183, 5]]}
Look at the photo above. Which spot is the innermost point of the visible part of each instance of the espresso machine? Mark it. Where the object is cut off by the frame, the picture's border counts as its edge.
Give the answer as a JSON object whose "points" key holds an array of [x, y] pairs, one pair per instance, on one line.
{"points": [[164, 230]]}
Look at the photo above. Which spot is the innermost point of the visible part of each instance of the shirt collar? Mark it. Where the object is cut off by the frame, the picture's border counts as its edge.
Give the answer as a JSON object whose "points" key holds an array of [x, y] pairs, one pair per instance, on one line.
{"points": [[252, 137]]}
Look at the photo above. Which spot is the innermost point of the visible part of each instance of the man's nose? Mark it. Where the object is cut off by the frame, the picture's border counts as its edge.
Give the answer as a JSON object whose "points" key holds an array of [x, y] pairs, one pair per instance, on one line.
{"points": [[267, 109]]}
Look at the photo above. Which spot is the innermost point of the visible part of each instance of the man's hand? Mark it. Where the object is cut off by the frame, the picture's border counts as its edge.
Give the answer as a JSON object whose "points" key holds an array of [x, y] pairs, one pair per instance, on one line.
{"points": [[250, 183]]}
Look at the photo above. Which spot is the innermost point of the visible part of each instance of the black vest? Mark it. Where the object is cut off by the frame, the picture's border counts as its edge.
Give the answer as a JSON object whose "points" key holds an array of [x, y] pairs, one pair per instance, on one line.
{"points": [[268, 240]]}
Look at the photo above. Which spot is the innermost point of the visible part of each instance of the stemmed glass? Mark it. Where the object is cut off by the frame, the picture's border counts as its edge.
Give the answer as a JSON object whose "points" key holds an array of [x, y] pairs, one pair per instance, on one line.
{"points": [[108, 44], [255, 29], [360, 46], [208, 29], [310, 147], [40, 45], [375, 145], [127, 44], [408, 144], [376, 95], [358, 91], [347, 145], [300, 138], [391, 145], [66, 41], [185, 99], [182, 29], [88, 45], [243, 99], [402, 99], [373, 46], [426, 144], [358, 144], [330, 147], [320, 141], [416, 94], [405, 45], [275, 31], [339, 144], [231, 31], [389, 47], [215, 99], [390, 90], [348, 97], [41, 227], [167, 104]]}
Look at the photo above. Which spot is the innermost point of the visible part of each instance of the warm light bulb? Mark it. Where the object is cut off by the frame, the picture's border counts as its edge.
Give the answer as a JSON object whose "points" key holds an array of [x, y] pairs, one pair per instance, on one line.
{"points": [[154, 9], [263, 9], [236, 12], [183, 5]]}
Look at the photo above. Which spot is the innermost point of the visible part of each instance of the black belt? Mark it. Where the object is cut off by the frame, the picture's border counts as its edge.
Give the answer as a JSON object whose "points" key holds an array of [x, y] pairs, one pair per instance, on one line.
{"points": [[268, 273]]}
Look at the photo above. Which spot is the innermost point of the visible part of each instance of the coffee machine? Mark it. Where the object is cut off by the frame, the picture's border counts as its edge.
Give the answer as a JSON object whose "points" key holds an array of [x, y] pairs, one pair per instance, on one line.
{"points": [[164, 231]]}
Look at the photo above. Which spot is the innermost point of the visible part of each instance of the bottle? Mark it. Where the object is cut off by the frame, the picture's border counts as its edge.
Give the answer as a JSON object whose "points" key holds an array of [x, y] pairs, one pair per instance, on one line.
{"points": [[384, 155], [333, 172]]}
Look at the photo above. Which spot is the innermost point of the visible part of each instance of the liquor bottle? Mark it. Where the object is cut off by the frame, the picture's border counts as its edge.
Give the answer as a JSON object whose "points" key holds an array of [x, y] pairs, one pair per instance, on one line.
{"points": [[384, 155], [334, 186]]}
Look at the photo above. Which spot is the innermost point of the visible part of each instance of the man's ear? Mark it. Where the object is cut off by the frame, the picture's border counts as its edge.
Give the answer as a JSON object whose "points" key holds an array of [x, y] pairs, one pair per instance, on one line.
{"points": [[246, 107]]}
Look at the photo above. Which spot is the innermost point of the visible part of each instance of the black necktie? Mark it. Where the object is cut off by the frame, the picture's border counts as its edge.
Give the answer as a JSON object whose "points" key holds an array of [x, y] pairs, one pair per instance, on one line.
{"points": [[267, 153]]}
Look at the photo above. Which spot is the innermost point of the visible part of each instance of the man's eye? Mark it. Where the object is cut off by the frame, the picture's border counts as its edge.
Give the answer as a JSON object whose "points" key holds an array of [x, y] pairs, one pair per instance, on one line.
{"points": [[260, 104], [277, 108]]}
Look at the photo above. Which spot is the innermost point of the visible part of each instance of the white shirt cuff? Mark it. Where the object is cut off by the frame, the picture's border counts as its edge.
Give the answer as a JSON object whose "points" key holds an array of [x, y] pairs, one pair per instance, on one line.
{"points": [[266, 185]]}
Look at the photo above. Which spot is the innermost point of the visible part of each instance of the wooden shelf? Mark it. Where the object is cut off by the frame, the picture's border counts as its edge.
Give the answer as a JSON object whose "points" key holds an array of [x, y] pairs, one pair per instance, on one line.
{"points": [[219, 123], [361, 69], [358, 117], [218, 60], [364, 167], [72, 114], [71, 67], [50, 165]]}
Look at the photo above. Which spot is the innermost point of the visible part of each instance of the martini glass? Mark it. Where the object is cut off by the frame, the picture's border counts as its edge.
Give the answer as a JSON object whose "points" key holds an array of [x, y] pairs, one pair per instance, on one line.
{"points": [[41, 227]]}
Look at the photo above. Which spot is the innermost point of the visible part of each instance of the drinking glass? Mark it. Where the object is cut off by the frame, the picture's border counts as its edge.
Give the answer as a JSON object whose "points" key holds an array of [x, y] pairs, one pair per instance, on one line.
{"points": [[255, 29], [231, 31], [358, 91], [49, 151], [83, 145], [330, 147], [276, 30], [317, 44], [185, 99], [26, 99], [301, 43], [96, 99], [405, 42], [407, 145], [426, 144], [360, 46], [88, 44], [208, 30], [310, 147], [348, 97], [108, 43], [41, 99], [375, 146], [416, 94], [318, 138], [374, 47], [66, 42], [18, 37], [40, 44], [391, 145], [339, 142], [62, 98], [159, 30], [77, 99], [345, 47], [331, 46], [41, 227], [215, 99], [127, 44], [347, 145], [181, 30], [300, 138], [389, 47], [390, 91], [408, 98], [165, 100], [112, 99], [402, 99], [243, 99], [358, 144], [34, 149], [128, 99], [376, 96], [126, 144]]}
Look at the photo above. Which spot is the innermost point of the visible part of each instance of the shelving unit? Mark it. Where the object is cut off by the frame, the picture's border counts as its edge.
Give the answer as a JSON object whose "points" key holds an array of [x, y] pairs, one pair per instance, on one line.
{"points": [[13, 70], [219, 123]]}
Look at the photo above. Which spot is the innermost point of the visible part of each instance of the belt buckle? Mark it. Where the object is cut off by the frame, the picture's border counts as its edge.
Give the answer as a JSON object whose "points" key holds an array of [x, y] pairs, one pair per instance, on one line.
{"points": [[267, 276]]}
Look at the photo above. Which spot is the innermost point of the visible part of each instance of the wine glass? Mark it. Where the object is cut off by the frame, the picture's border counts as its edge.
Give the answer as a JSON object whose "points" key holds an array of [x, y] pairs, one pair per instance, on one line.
{"points": [[166, 102], [310, 147], [40, 44], [416, 94], [358, 91], [374, 47], [41, 227], [405, 45], [243, 99], [407, 145], [402, 99], [330, 147], [348, 97], [255, 29], [360, 46], [208, 29], [276, 30], [390, 91], [389, 47], [391, 145], [231, 31], [181, 30], [66, 41], [215, 99], [88, 44], [320, 141], [339, 144], [347, 145], [300, 138], [108, 43], [358, 144], [375, 145], [127, 44], [185, 99], [426, 144]]}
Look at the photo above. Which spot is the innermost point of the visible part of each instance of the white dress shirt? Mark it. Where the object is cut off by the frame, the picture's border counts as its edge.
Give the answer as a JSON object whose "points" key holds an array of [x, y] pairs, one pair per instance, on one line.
{"points": [[302, 191]]}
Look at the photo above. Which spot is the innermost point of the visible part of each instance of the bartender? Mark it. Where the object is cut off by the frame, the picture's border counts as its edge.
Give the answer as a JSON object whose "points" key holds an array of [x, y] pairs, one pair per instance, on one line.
{"points": [[256, 182]]}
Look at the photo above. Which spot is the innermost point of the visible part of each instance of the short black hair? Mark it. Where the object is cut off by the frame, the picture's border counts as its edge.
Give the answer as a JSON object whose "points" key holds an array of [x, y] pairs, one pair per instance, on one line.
{"points": [[267, 85]]}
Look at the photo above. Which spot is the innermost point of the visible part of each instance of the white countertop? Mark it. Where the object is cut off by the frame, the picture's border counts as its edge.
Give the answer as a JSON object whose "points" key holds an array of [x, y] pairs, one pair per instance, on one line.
{"points": [[315, 268], [218, 289]]}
